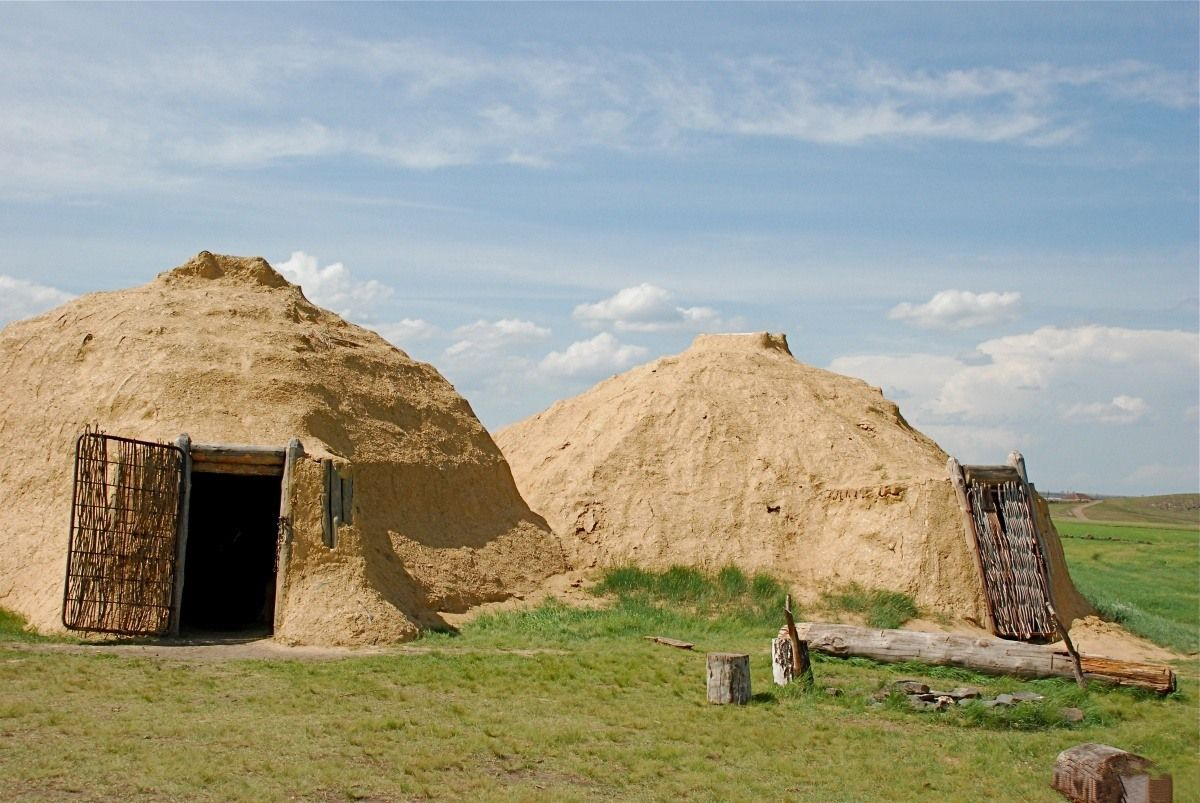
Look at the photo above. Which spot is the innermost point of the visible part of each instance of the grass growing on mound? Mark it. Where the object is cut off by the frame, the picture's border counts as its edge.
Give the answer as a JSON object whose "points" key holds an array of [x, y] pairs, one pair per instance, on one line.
{"points": [[13, 628], [883, 609], [682, 602]]}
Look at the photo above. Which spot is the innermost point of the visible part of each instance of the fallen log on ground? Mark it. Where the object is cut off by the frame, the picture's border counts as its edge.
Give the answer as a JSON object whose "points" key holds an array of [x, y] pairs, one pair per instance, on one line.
{"points": [[980, 653]]}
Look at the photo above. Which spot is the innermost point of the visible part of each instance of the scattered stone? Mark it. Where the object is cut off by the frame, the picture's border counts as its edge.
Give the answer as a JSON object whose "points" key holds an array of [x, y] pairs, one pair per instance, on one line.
{"points": [[911, 687], [1005, 699], [1027, 697], [833, 691], [966, 693], [1072, 714]]}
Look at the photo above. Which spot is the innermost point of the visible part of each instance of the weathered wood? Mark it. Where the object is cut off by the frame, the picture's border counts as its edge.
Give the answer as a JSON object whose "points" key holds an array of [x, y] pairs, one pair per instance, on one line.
{"points": [[964, 505], [801, 666], [982, 654], [783, 668], [1098, 773], [1017, 461], [1065, 635], [283, 546], [184, 442], [728, 678], [670, 642], [226, 453], [327, 527], [240, 469], [990, 475]]}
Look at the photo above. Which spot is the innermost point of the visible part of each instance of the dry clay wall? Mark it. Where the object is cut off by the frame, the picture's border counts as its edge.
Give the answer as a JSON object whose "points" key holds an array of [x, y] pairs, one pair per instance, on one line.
{"points": [[226, 350]]}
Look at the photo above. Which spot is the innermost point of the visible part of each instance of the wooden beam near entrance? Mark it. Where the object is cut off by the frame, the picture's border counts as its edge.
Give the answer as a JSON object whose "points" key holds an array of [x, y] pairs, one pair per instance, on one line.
{"points": [[184, 442], [265, 461], [283, 548]]}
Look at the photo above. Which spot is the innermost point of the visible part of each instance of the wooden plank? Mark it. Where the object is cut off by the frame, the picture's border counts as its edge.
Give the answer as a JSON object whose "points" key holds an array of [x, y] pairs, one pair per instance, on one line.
{"points": [[240, 469], [670, 642], [283, 547], [220, 452], [184, 443], [964, 505], [990, 475], [982, 654]]}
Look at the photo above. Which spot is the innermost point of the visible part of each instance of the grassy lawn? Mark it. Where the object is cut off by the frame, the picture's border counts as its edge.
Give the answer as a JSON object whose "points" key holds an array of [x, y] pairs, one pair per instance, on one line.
{"points": [[1146, 577], [554, 703]]}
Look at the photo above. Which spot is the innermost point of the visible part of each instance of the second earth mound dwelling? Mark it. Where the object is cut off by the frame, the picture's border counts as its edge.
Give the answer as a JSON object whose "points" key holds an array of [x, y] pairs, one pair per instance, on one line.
{"points": [[332, 488], [733, 452]]}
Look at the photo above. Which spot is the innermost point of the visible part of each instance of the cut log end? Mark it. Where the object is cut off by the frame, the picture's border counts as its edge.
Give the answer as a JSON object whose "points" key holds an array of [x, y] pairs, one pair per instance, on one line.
{"points": [[728, 678]]}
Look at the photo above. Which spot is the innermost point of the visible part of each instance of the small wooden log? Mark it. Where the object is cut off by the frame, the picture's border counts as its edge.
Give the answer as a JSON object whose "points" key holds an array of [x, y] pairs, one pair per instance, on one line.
{"points": [[728, 678], [980, 653], [670, 642], [1098, 773]]}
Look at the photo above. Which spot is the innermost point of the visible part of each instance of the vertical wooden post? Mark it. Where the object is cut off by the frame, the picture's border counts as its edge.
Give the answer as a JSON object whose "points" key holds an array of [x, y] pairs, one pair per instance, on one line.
{"points": [[184, 442], [283, 547], [327, 525], [801, 664], [728, 678], [960, 488]]}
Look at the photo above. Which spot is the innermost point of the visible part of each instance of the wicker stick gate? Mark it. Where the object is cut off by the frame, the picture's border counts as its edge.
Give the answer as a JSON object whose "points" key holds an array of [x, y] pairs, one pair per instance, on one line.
{"points": [[125, 514], [1003, 534]]}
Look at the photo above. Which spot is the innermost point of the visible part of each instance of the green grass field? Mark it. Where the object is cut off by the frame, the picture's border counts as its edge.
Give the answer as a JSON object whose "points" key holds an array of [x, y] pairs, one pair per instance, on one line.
{"points": [[1145, 577], [553, 703]]}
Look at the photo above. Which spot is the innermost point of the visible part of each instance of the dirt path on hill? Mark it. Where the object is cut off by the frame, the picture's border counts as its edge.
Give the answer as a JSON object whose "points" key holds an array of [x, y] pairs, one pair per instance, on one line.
{"points": [[1078, 513]]}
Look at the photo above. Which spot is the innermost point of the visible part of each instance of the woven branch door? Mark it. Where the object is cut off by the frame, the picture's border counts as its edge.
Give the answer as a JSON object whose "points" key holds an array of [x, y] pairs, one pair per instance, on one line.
{"points": [[121, 557], [1014, 568]]}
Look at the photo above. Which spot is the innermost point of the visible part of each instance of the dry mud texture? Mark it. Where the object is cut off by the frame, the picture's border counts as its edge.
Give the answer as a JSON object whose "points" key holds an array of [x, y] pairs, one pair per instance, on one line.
{"points": [[228, 351], [733, 452]]}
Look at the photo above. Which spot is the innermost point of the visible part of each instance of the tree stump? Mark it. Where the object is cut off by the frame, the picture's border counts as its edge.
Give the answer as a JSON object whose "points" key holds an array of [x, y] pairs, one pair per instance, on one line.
{"points": [[1098, 773], [728, 678], [783, 670]]}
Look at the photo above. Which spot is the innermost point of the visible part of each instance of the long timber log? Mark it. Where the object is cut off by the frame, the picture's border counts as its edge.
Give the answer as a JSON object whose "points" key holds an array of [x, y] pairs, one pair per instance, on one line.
{"points": [[981, 654]]}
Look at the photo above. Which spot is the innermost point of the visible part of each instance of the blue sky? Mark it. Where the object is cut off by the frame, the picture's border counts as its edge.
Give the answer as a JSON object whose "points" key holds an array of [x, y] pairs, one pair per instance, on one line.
{"points": [[990, 210]]}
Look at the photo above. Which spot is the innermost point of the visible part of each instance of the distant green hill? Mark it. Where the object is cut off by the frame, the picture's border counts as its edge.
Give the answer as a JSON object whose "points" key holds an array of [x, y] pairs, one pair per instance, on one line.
{"points": [[1169, 509]]}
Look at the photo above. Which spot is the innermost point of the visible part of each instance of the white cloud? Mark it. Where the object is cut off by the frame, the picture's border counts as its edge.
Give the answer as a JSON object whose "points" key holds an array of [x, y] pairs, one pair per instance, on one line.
{"points": [[646, 308], [332, 286], [1121, 410], [1015, 382], [1026, 371], [959, 309], [450, 103], [600, 355], [406, 330], [20, 298], [484, 338]]}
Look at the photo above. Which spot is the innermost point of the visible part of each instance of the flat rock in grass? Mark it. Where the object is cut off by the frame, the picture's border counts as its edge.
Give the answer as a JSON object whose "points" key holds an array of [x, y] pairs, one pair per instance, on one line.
{"points": [[910, 687], [965, 693], [833, 691], [1071, 714], [1027, 697], [1004, 699]]}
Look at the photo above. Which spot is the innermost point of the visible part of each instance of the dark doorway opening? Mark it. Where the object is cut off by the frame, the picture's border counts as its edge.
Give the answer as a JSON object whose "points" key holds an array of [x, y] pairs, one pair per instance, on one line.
{"points": [[229, 568]]}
